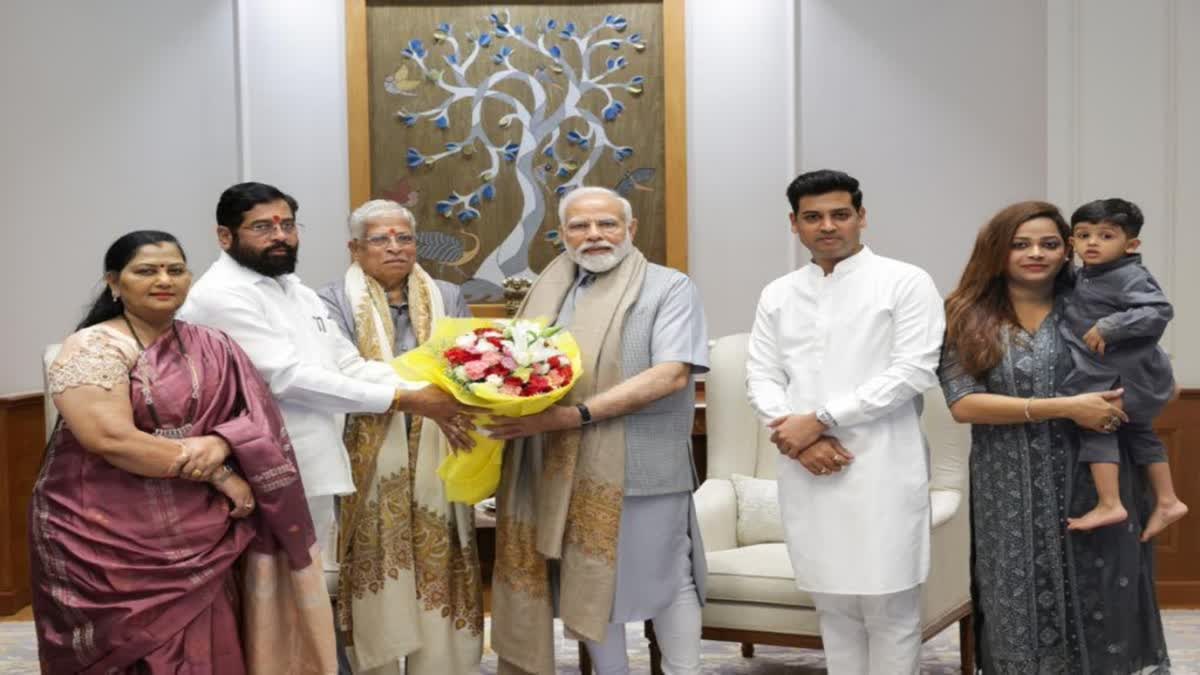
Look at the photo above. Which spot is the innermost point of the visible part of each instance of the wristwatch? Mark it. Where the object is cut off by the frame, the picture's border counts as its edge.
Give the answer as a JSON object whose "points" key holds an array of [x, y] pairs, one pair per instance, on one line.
{"points": [[585, 415], [825, 418]]}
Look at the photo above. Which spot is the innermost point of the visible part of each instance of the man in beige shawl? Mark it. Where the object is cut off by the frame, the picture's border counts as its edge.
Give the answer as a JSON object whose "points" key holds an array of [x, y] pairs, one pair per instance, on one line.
{"points": [[595, 520], [409, 591]]}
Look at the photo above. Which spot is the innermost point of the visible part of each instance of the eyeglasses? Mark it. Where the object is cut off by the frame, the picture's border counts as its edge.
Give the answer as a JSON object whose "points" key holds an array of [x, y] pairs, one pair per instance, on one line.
{"points": [[382, 240], [606, 225], [264, 228]]}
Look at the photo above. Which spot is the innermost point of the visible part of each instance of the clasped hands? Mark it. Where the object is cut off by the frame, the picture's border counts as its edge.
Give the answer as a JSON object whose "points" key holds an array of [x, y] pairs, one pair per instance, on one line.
{"points": [[455, 419], [202, 458], [801, 437]]}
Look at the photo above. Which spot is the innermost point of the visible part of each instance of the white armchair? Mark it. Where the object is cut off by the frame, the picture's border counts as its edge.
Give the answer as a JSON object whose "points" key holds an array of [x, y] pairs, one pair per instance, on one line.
{"points": [[752, 595]]}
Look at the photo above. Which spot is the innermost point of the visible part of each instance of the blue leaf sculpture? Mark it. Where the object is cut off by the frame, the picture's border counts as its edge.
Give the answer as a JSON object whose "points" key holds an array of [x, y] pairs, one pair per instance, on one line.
{"points": [[415, 158], [442, 121], [613, 110], [488, 191]]}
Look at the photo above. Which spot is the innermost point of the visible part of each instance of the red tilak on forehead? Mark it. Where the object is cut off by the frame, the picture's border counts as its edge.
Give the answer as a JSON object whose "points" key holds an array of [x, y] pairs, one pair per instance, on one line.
{"points": [[276, 219]]}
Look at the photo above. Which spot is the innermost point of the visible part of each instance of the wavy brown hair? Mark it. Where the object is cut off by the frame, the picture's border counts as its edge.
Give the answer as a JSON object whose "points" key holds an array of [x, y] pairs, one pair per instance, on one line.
{"points": [[979, 308]]}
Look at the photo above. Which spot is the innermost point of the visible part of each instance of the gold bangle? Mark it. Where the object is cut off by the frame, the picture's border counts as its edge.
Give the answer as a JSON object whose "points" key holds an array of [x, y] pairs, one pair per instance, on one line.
{"points": [[1028, 413]]}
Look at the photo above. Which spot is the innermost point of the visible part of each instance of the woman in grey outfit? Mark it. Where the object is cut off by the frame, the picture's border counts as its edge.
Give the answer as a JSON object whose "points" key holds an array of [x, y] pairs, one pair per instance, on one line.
{"points": [[1045, 600]]}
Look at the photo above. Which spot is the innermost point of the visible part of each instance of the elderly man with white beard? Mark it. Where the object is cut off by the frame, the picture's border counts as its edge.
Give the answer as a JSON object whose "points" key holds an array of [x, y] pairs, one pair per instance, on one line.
{"points": [[595, 519]]}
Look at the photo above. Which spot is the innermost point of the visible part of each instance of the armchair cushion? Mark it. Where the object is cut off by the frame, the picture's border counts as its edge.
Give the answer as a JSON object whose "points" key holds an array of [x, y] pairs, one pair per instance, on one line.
{"points": [[755, 574], [758, 520], [716, 512], [943, 504]]}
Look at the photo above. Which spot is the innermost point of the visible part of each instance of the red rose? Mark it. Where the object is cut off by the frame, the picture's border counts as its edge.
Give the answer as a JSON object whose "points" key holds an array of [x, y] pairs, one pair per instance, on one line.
{"points": [[458, 356]]}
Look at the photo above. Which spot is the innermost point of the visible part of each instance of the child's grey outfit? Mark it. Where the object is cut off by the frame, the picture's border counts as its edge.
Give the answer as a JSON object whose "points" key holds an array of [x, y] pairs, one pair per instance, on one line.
{"points": [[1131, 312]]}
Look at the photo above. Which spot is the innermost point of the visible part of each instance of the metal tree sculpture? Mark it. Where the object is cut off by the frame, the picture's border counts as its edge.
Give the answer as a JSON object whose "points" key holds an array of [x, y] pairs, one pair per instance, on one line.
{"points": [[537, 156]]}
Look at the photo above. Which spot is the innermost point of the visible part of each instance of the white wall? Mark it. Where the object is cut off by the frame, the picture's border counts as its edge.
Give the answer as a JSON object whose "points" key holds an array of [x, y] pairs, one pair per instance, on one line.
{"points": [[741, 88], [136, 115], [142, 112], [293, 75], [937, 107], [1124, 115], [116, 116]]}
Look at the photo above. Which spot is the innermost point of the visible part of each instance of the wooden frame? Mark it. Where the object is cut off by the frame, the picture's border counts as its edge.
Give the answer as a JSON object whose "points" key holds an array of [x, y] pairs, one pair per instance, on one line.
{"points": [[675, 127]]}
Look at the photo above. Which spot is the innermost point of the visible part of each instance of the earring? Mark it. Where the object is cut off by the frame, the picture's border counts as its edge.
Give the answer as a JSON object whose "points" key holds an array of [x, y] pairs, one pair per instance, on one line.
{"points": [[115, 297]]}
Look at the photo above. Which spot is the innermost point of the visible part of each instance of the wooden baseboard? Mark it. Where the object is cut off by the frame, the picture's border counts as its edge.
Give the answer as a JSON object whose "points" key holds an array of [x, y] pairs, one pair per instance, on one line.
{"points": [[1178, 594]]}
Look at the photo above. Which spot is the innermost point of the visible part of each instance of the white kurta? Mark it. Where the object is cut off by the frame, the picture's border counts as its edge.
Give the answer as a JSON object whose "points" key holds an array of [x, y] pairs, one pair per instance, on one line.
{"points": [[315, 373], [864, 343]]}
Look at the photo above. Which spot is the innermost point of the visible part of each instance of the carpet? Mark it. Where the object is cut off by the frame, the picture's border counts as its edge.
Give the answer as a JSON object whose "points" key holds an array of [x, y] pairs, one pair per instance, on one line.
{"points": [[18, 652]]}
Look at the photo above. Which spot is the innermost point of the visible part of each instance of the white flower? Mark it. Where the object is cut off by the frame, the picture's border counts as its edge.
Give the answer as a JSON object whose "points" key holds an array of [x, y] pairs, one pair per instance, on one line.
{"points": [[484, 347], [522, 357], [466, 341], [460, 373], [541, 353], [494, 380]]}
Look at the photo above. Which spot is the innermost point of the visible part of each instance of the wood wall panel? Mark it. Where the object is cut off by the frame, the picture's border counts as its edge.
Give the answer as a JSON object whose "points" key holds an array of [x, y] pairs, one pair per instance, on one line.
{"points": [[1178, 549], [22, 432]]}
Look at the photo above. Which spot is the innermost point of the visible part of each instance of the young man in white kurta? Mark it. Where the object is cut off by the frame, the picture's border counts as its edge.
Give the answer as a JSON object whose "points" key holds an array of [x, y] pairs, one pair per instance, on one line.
{"points": [[839, 356]]}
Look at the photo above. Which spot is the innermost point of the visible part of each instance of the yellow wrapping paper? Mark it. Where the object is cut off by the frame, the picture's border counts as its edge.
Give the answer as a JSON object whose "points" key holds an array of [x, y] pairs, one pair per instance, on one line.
{"points": [[472, 476]]}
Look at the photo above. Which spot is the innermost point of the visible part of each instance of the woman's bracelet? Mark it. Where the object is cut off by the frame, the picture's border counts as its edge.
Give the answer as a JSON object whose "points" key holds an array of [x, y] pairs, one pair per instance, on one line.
{"points": [[221, 475]]}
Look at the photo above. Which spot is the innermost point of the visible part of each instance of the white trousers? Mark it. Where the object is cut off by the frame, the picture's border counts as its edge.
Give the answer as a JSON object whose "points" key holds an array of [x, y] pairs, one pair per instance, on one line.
{"points": [[871, 634], [324, 517], [676, 629]]}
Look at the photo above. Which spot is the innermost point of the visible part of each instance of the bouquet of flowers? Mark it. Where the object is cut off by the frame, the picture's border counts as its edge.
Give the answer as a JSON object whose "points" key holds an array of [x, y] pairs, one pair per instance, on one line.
{"points": [[512, 368]]}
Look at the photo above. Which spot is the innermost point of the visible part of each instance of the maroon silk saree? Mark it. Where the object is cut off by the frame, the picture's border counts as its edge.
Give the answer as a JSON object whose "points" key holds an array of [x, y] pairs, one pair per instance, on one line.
{"points": [[135, 574]]}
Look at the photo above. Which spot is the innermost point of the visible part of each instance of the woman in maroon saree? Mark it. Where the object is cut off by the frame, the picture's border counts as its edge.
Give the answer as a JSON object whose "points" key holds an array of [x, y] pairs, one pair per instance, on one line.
{"points": [[169, 466]]}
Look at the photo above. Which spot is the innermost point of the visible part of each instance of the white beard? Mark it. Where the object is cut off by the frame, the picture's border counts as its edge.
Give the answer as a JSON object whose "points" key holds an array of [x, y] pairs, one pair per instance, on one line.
{"points": [[598, 263]]}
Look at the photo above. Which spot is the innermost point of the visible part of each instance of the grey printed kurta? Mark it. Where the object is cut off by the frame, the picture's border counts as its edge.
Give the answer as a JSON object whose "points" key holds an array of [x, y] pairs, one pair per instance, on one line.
{"points": [[1124, 301], [1047, 601], [1129, 309]]}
